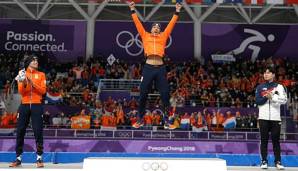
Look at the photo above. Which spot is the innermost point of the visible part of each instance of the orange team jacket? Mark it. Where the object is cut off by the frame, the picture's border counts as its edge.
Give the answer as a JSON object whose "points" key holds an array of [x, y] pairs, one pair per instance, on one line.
{"points": [[32, 94], [154, 44]]}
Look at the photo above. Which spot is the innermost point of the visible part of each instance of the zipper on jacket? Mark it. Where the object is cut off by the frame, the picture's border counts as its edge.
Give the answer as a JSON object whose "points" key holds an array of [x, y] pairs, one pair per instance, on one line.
{"points": [[269, 110], [31, 89], [154, 47]]}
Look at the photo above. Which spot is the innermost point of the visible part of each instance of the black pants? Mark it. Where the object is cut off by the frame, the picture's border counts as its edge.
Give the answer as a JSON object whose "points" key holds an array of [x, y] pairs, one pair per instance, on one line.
{"points": [[267, 126], [25, 112], [158, 75]]}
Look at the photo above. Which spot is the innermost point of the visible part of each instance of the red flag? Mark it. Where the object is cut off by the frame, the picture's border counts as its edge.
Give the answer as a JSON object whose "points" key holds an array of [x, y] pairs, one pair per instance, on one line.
{"points": [[193, 1], [254, 2], [291, 2]]}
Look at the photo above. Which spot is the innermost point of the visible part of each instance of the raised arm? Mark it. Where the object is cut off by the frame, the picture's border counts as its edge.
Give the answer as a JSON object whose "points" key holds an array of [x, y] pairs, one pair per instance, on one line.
{"points": [[173, 21], [136, 20]]}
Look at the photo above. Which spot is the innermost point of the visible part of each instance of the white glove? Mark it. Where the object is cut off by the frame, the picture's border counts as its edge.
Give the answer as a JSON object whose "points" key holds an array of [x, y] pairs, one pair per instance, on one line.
{"points": [[21, 76]]}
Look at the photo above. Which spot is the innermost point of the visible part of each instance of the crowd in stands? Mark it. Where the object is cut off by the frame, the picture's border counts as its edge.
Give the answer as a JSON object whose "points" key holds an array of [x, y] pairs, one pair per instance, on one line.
{"points": [[101, 117], [191, 83], [221, 85], [8, 120]]}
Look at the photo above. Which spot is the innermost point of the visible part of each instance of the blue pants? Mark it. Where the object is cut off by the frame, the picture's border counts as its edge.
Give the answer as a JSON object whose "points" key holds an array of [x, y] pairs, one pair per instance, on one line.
{"points": [[158, 75], [25, 112]]}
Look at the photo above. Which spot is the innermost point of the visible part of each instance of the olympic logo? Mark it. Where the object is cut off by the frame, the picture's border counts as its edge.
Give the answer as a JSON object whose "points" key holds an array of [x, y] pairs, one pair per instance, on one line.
{"points": [[133, 40], [125, 134], [155, 166]]}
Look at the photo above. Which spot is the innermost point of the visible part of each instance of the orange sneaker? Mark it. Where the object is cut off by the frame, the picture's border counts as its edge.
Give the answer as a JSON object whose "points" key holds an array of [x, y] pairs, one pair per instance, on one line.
{"points": [[16, 163], [39, 163]]}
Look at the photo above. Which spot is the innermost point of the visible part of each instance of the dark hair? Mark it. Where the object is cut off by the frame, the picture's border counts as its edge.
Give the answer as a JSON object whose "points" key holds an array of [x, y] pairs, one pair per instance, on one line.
{"points": [[28, 59], [158, 24], [270, 68]]}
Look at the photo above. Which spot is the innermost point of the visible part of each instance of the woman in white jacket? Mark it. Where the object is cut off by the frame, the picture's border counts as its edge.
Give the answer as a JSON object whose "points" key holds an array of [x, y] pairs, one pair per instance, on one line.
{"points": [[269, 97]]}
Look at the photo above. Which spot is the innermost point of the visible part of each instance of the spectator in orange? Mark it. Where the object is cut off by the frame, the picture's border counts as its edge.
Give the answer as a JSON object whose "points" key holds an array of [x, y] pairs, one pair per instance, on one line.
{"points": [[209, 120], [148, 119], [200, 121], [113, 120], [105, 120], [220, 120], [133, 117], [193, 119], [110, 105], [156, 118], [119, 115], [7, 120]]}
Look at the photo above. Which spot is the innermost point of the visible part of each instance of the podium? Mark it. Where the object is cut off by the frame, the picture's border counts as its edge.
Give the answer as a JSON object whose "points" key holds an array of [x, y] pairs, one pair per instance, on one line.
{"points": [[153, 164], [134, 164]]}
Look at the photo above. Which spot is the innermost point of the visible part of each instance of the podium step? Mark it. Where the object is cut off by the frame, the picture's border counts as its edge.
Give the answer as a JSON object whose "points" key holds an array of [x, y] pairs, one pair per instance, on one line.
{"points": [[154, 164]]}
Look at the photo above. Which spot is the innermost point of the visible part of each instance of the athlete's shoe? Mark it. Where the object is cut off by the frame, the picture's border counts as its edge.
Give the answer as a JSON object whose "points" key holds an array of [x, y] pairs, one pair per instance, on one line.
{"points": [[264, 164], [279, 166], [16, 163], [39, 163]]}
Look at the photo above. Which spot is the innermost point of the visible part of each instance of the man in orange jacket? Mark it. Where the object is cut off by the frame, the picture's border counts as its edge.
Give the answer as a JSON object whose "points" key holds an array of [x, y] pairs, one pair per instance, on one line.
{"points": [[31, 86], [154, 70]]}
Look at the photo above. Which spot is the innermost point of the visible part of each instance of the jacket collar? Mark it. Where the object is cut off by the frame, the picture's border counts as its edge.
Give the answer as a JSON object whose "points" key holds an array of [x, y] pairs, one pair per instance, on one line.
{"points": [[29, 70]]}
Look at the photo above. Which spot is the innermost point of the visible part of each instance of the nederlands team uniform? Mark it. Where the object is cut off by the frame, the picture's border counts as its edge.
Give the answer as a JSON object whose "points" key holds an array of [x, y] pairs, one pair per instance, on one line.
{"points": [[31, 107], [154, 45]]}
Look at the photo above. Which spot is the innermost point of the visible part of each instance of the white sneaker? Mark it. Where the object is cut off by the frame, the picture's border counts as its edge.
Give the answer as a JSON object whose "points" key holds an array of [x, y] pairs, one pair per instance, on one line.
{"points": [[279, 166], [264, 165]]}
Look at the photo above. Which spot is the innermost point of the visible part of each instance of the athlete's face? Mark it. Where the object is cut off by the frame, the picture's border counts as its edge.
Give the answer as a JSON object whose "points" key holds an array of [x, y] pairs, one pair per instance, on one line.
{"points": [[268, 75], [34, 63], [155, 29]]}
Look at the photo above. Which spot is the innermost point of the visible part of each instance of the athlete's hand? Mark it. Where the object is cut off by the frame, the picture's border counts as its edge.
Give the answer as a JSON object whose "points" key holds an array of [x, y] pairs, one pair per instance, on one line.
{"points": [[21, 75], [269, 95], [132, 5], [178, 7]]}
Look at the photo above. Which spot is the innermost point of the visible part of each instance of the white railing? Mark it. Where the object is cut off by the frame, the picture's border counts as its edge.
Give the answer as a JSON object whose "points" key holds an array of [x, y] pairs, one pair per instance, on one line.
{"points": [[118, 84], [149, 134]]}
